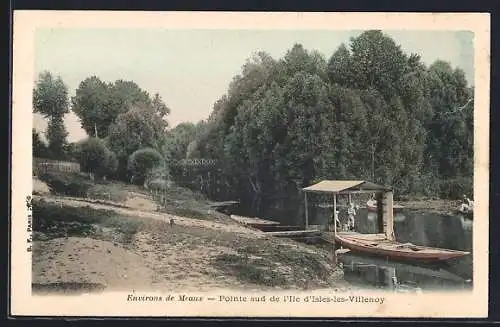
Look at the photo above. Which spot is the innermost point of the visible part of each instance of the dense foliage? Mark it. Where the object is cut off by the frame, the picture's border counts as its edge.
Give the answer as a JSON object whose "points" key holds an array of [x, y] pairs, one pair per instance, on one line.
{"points": [[142, 164], [369, 112], [50, 99], [96, 158]]}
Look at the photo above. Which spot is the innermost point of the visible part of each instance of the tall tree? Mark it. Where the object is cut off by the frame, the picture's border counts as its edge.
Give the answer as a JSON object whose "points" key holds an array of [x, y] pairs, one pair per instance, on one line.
{"points": [[98, 104], [50, 98], [93, 104]]}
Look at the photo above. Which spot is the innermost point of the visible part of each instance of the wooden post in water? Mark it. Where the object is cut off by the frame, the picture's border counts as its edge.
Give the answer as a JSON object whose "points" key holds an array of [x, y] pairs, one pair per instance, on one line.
{"points": [[388, 216], [380, 213], [305, 207], [334, 227]]}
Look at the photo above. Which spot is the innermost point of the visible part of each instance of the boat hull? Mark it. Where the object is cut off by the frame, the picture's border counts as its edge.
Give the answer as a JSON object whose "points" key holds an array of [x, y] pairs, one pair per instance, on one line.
{"points": [[395, 250]]}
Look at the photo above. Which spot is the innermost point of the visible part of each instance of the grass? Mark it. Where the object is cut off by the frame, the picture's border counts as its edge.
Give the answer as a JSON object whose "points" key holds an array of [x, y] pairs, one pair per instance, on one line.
{"points": [[271, 263], [110, 191], [55, 220], [248, 270], [174, 200], [67, 183]]}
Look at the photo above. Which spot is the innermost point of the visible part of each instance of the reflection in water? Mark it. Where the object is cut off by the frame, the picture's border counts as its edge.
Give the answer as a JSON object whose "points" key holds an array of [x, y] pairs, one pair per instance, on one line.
{"points": [[417, 227], [374, 272], [420, 228]]}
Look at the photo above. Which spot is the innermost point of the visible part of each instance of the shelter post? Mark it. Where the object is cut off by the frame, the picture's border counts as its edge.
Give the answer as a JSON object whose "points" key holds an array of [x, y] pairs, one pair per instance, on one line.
{"points": [[306, 209], [388, 215], [334, 214], [380, 213], [334, 253]]}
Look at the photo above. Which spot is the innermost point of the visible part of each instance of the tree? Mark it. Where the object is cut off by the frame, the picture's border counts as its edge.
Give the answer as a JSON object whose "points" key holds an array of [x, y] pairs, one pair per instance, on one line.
{"points": [[339, 66], [370, 112], [93, 104], [98, 104], [39, 147], [142, 162], [96, 158], [56, 134], [160, 108], [50, 98], [132, 131], [376, 62]]}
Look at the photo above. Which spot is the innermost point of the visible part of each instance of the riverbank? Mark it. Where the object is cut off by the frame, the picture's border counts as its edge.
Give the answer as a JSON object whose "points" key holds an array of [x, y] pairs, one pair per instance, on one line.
{"points": [[121, 239], [439, 206]]}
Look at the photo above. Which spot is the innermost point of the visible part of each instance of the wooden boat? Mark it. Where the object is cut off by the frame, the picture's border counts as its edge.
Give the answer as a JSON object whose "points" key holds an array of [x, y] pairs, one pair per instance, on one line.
{"points": [[372, 206], [377, 244]]}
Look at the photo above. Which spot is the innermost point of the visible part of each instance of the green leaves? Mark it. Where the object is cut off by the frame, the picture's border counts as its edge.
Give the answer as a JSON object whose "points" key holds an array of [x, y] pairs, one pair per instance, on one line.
{"points": [[99, 104], [96, 158], [142, 163], [50, 98], [369, 112]]}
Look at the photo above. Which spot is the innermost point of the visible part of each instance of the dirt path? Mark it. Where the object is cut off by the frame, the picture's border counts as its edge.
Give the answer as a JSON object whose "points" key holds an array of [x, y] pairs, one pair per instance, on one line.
{"points": [[183, 221], [88, 262], [183, 257]]}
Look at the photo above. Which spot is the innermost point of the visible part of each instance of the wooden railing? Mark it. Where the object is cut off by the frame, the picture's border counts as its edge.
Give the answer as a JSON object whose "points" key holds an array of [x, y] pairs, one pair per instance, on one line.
{"points": [[41, 165]]}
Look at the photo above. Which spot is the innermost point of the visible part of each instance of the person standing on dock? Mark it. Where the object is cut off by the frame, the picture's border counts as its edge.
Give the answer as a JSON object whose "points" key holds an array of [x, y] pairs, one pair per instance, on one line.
{"points": [[335, 219], [351, 213]]}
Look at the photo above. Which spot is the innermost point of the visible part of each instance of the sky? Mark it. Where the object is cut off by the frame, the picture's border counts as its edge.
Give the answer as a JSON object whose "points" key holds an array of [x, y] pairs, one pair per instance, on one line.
{"points": [[191, 69]]}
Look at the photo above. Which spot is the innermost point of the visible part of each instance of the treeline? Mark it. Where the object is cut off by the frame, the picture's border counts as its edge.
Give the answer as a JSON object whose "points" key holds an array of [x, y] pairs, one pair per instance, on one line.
{"points": [[127, 128], [370, 111]]}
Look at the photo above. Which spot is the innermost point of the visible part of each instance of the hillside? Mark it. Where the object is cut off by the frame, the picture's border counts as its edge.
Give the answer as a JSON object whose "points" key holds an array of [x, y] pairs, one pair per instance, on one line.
{"points": [[125, 243]]}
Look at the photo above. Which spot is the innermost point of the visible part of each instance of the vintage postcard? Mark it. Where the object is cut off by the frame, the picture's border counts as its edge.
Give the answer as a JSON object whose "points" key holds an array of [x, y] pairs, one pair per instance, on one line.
{"points": [[203, 164]]}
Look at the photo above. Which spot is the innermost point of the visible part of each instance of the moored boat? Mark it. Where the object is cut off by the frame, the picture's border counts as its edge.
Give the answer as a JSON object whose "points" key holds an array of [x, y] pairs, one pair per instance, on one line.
{"points": [[377, 244], [371, 206]]}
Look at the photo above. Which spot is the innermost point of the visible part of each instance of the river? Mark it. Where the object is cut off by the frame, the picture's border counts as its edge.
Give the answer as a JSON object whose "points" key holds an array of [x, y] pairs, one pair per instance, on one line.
{"points": [[418, 227]]}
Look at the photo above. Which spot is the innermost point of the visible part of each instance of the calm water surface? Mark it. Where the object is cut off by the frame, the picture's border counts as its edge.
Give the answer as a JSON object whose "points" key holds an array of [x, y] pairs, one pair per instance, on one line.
{"points": [[417, 227]]}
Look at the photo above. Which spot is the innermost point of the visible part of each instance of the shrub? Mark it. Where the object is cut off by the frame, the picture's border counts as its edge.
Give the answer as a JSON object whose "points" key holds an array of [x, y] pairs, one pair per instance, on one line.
{"points": [[71, 184], [111, 165], [79, 221], [456, 187], [96, 158], [142, 162], [39, 147]]}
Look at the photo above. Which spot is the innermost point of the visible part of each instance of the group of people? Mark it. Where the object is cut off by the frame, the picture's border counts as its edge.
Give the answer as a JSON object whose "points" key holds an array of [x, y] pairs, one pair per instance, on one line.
{"points": [[351, 214], [467, 205]]}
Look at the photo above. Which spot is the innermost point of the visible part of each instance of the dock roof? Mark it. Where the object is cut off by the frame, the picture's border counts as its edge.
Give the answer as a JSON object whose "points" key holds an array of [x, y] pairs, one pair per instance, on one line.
{"points": [[345, 186]]}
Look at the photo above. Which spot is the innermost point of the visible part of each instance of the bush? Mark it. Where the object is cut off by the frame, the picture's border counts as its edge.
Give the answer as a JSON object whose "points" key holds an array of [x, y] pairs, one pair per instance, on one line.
{"points": [[96, 158], [39, 147], [456, 187], [70, 184], [111, 165], [53, 218], [142, 162]]}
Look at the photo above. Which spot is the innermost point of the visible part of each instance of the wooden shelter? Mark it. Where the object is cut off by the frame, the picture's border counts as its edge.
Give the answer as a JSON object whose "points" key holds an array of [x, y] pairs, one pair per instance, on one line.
{"points": [[336, 188], [382, 243]]}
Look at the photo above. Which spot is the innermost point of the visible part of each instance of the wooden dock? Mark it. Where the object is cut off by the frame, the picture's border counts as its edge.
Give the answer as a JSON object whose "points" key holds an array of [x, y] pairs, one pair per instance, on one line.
{"points": [[223, 204], [252, 221], [276, 228], [296, 233]]}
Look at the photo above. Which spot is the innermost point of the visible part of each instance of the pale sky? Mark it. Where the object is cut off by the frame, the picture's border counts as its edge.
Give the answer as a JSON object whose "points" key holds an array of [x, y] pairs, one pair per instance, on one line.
{"points": [[191, 69]]}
